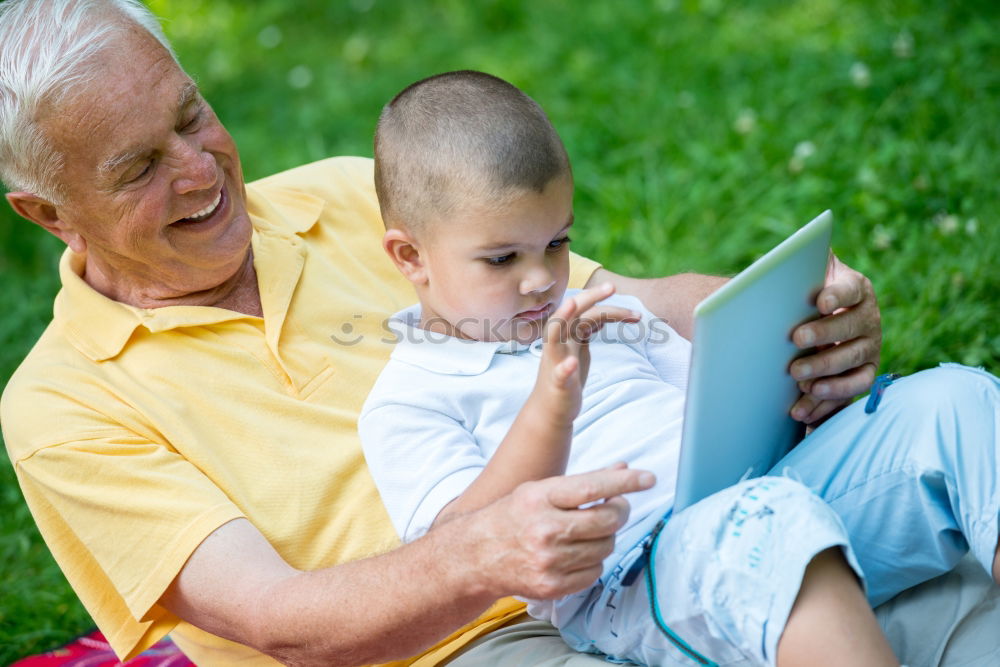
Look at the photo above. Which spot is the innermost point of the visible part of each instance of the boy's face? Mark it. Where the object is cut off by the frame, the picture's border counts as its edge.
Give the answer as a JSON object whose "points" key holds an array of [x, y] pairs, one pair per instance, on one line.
{"points": [[497, 272]]}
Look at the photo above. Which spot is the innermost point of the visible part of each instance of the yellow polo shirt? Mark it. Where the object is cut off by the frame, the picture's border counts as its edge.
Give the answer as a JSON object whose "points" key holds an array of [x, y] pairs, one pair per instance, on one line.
{"points": [[135, 433]]}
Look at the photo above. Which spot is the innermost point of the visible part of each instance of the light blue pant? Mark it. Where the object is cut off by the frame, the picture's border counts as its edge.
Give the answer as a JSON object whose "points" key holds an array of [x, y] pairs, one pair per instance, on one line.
{"points": [[905, 490], [916, 481]]}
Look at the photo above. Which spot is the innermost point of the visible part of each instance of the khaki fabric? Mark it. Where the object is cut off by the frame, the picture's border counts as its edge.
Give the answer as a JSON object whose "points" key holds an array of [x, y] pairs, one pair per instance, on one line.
{"points": [[523, 642]]}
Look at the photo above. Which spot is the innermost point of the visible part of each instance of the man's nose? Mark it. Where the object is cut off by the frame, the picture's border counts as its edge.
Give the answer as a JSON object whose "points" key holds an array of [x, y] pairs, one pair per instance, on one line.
{"points": [[196, 167]]}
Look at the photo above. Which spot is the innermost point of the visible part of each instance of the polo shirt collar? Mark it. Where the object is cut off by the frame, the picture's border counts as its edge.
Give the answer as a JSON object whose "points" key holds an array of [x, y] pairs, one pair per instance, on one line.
{"points": [[298, 211], [97, 326], [444, 354], [100, 327]]}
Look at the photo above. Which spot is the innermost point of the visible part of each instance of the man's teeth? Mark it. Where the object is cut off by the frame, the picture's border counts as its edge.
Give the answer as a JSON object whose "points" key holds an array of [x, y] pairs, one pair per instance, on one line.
{"points": [[208, 210]]}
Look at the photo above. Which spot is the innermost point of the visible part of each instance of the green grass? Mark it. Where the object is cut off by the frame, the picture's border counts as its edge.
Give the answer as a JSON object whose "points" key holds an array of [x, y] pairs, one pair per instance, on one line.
{"points": [[683, 120]]}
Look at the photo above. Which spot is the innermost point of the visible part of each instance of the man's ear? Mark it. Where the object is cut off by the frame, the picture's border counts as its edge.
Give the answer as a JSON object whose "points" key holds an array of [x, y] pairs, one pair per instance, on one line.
{"points": [[404, 252], [43, 213]]}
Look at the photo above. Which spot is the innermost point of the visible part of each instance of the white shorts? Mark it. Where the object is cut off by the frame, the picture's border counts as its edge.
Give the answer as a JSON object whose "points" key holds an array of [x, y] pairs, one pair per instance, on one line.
{"points": [[726, 572], [906, 491]]}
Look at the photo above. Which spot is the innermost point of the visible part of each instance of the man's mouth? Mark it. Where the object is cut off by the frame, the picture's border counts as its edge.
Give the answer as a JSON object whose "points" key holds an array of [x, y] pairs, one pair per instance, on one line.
{"points": [[204, 213]]}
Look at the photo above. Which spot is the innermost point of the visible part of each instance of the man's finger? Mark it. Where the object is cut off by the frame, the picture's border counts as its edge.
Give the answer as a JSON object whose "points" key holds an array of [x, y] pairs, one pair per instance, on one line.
{"points": [[566, 584], [844, 293], [823, 410], [597, 521], [574, 490], [843, 326], [846, 385], [810, 409], [844, 287], [834, 360], [586, 553], [585, 578], [804, 406]]}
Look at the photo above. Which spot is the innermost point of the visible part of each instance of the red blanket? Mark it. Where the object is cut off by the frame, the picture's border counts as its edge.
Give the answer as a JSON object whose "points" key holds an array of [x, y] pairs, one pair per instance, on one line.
{"points": [[92, 650]]}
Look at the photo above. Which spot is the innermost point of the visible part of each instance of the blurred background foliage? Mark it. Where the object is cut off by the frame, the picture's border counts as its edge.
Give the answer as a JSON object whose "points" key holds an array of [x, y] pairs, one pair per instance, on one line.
{"points": [[701, 132]]}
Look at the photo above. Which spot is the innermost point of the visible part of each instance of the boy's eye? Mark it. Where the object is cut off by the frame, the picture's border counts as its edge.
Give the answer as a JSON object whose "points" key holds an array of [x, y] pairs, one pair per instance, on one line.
{"points": [[500, 260], [559, 243]]}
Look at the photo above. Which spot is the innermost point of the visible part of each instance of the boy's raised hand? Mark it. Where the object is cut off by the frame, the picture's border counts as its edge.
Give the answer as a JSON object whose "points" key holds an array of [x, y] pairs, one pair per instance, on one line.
{"points": [[566, 349], [538, 443]]}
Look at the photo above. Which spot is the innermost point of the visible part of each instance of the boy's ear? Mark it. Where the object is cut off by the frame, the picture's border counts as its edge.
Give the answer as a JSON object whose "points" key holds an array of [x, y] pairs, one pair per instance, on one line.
{"points": [[404, 252], [43, 213]]}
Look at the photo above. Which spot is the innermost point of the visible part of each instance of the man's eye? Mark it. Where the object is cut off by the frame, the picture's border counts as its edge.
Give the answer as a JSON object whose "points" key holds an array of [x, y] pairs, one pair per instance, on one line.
{"points": [[139, 171], [192, 124], [500, 260], [559, 243]]}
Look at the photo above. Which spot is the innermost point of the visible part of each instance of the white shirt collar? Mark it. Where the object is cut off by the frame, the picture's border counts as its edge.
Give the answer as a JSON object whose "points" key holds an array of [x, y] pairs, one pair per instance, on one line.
{"points": [[448, 355]]}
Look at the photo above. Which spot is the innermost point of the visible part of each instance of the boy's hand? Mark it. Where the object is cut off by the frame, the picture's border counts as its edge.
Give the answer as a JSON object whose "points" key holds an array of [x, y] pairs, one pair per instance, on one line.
{"points": [[566, 350], [538, 443]]}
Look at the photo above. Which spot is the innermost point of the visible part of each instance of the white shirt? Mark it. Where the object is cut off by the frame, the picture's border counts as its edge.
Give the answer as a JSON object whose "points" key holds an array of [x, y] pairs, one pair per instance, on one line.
{"points": [[443, 405]]}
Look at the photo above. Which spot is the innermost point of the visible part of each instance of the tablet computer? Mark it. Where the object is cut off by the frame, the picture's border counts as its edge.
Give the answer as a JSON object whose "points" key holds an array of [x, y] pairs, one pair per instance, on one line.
{"points": [[736, 416]]}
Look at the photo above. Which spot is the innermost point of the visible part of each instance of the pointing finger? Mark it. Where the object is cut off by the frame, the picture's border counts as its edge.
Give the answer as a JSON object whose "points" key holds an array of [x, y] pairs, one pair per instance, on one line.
{"points": [[575, 490]]}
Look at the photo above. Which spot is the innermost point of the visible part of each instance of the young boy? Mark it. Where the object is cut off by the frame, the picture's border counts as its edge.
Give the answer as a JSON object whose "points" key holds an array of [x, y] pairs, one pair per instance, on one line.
{"points": [[498, 369]]}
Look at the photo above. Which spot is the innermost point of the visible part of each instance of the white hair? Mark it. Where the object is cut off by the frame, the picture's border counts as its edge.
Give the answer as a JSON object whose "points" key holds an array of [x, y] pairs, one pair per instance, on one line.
{"points": [[46, 51]]}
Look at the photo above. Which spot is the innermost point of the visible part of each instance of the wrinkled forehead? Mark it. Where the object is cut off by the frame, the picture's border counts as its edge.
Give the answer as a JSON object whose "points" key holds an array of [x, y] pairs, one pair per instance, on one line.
{"points": [[127, 94]]}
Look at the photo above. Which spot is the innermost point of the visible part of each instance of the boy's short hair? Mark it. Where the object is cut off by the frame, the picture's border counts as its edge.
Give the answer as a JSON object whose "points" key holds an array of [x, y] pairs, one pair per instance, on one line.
{"points": [[458, 136]]}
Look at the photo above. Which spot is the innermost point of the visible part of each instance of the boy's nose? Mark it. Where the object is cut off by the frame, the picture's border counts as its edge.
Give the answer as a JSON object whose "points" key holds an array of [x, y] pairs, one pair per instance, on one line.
{"points": [[537, 282]]}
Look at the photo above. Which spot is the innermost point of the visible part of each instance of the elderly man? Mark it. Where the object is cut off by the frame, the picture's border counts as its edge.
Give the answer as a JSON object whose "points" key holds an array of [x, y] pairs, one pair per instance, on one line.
{"points": [[184, 429]]}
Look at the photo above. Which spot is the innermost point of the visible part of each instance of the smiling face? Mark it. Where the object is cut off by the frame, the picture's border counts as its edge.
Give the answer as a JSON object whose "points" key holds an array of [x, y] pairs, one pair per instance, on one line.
{"points": [[153, 187], [497, 272]]}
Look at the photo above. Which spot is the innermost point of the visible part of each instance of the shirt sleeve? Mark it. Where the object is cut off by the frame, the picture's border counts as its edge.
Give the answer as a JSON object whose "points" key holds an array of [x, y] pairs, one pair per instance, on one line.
{"points": [[120, 513], [580, 270], [420, 458]]}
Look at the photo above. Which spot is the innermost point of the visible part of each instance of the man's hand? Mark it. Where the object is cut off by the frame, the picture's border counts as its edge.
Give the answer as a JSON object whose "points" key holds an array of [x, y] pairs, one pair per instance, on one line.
{"points": [[848, 336], [848, 342], [536, 542]]}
